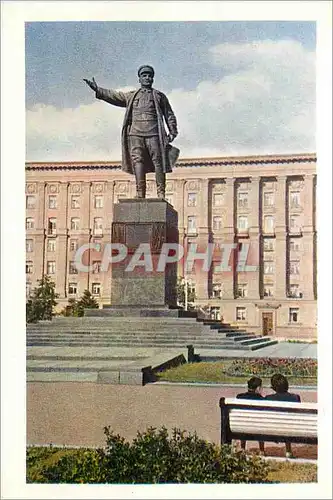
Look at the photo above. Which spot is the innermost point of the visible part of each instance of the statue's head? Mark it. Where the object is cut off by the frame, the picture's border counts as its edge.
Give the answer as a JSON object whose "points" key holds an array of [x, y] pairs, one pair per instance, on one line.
{"points": [[146, 75]]}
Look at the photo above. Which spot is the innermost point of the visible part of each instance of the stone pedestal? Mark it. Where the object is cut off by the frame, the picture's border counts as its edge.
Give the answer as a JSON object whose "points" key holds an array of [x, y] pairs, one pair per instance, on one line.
{"points": [[143, 226]]}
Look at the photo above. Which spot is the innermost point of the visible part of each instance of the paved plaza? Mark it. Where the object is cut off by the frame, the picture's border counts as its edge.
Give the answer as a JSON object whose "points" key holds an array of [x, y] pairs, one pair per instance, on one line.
{"points": [[75, 413]]}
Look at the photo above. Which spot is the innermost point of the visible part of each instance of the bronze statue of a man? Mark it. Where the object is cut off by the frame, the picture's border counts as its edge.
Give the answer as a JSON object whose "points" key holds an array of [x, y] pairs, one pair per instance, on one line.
{"points": [[145, 142]]}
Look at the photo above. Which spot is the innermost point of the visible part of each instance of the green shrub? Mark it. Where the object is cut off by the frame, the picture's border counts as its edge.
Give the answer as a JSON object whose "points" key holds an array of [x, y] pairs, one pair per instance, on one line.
{"points": [[80, 466], [154, 457]]}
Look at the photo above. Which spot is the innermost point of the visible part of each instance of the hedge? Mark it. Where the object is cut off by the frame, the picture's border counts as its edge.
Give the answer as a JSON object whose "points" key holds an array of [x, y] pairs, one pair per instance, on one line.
{"points": [[153, 457]]}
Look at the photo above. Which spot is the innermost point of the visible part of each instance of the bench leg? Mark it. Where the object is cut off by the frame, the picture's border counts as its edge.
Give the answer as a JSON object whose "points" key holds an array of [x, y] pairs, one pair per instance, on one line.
{"points": [[243, 445], [262, 447], [289, 453]]}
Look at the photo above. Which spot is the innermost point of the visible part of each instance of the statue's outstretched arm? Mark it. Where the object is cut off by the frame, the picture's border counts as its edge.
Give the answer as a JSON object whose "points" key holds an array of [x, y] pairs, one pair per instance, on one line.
{"points": [[109, 95]]}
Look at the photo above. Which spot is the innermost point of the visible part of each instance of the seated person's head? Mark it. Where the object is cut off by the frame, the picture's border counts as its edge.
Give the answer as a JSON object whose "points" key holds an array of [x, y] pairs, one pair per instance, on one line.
{"points": [[279, 383], [254, 384]]}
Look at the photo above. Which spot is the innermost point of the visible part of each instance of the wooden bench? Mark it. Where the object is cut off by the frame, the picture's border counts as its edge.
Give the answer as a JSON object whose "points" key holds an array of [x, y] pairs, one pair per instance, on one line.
{"points": [[275, 421]]}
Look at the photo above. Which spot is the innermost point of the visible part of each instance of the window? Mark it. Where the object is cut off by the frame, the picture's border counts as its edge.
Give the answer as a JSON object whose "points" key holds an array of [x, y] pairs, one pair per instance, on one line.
{"points": [[215, 313], [269, 224], [293, 315], [29, 267], [217, 223], [218, 199], [268, 199], [96, 266], [98, 201], [75, 202], [294, 267], [29, 223], [240, 313], [96, 289], [294, 291], [75, 224], [192, 199], [52, 202], [29, 245], [51, 245], [216, 291], [269, 267], [51, 265], [191, 288], [73, 245], [243, 200], [268, 291], [242, 223], [52, 225], [191, 224], [294, 245], [268, 245], [72, 288], [30, 202], [295, 198], [98, 225], [97, 245], [28, 289], [242, 290], [169, 199], [294, 222], [72, 268]]}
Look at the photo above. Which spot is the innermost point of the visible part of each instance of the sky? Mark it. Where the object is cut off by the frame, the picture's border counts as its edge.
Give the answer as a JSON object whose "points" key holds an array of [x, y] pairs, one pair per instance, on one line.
{"points": [[237, 88]]}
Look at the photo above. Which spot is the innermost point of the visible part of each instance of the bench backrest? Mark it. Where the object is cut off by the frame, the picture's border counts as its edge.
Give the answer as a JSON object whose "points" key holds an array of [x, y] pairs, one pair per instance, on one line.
{"points": [[269, 418]]}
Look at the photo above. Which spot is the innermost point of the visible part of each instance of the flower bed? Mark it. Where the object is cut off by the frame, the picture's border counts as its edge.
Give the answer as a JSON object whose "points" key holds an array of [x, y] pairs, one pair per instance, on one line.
{"points": [[266, 367]]}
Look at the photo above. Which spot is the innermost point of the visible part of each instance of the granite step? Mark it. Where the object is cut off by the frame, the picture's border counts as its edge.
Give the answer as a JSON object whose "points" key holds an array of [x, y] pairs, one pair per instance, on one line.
{"points": [[133, 330], [129, 338], [129, 335], [112, 328], [165, 344]]}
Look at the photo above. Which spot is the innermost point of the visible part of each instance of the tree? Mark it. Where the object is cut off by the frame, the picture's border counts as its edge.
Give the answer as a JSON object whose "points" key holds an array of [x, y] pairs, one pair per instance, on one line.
{"points": [[42, 301], [87, 301], [72, 309], [180, 289], [76, 307]]}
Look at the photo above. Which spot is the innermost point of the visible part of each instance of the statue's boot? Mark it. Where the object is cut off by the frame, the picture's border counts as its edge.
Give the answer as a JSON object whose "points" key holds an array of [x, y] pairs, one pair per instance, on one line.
{"points": [[140, 178], [160, 184]]}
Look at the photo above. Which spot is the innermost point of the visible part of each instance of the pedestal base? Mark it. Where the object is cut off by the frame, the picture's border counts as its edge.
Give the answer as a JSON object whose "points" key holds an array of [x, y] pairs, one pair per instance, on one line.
{"points": [[149, 224]]}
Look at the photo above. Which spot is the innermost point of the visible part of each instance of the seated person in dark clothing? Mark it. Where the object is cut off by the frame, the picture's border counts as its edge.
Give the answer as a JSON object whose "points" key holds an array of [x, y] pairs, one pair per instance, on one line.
{"points": [[280, 385], [254, 388]]}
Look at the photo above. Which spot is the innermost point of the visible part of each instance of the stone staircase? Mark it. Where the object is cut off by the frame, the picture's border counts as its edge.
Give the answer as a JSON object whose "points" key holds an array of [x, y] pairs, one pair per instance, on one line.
{"points": [[167, 333], [125, 350]]}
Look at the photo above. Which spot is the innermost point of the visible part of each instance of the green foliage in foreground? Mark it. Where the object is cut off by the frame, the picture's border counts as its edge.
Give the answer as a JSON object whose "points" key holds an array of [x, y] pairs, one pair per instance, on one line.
{"points": [[153, 457]]}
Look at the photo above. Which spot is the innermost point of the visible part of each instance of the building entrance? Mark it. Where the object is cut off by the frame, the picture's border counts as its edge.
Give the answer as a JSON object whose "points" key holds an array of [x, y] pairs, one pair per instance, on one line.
{"points": [[267, 323]]}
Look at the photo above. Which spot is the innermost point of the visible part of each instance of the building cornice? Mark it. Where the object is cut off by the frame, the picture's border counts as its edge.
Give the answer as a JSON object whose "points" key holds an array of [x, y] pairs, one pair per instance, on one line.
{"points": [[186, 162]]}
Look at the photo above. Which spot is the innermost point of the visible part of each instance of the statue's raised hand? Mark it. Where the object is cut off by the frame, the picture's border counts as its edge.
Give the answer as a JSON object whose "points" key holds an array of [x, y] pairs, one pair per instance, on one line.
{"points": [[92, 83]]}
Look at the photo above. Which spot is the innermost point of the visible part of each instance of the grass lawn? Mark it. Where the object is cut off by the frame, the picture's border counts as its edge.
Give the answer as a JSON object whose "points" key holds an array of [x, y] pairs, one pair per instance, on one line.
{"points": [[213, 372], [286, 472], [280, 472]]}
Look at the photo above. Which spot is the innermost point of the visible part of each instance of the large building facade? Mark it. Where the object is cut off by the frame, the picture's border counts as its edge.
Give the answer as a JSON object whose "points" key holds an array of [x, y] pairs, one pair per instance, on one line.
{"points": [[266, 204]]}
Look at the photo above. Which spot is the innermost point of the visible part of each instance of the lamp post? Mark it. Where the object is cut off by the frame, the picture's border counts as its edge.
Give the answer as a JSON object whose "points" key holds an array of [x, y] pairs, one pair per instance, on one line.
{"points": [[185, 293]]}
